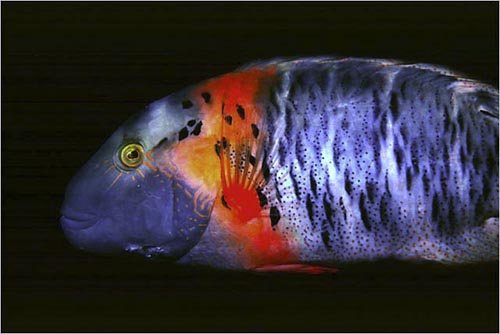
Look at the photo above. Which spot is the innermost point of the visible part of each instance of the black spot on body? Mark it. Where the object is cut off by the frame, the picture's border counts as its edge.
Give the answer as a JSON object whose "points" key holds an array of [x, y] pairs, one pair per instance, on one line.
{"points": [[364, 213], [404, 133], [463, 157], [461, 121], [265, 170], [394, 106], [295, 186], [342, 207], [477, 161], [217, 148], [453, 134], [398, 152], [435, 208], [383, 129], [486, 186], [251, 159], [262, 197], [191, 122], [229, 120], [370, 191], [206, 97], [183, 133], [469, 140], [492, 160], [275, 216], [447, 119], [328, 209], [240, 111], [255, 130], [409, 179], [278, 194], [161, 142], [427, 183], [314, 186], [387, 188], [325, 236], [347, 182], [186, 104], [224, 143], [376, 105], [344, 124], [197, 129], [224, 202]]}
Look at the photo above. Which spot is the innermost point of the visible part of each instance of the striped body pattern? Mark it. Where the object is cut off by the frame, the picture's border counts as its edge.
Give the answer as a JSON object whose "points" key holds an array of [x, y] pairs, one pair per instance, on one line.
{"points": [[298, 165]]}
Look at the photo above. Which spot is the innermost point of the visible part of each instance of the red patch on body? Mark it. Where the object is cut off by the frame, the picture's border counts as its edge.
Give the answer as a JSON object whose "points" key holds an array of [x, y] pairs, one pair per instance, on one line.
{"points": [[230, 119]]}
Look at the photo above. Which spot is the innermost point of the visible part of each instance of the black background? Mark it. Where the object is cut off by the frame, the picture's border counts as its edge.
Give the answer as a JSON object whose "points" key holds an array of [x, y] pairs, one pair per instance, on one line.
{"points": [[72, 72]]}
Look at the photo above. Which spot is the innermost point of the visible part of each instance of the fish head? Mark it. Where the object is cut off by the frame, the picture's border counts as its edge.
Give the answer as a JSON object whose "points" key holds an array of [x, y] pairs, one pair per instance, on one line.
{"points": [[134, 195]]}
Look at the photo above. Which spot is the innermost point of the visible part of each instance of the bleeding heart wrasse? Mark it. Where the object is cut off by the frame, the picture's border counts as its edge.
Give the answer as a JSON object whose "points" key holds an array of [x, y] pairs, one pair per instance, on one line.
{"points": [[299, 165]]}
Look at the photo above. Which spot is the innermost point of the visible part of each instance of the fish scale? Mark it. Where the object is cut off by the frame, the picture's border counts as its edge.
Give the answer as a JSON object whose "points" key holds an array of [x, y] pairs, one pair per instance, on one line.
{"points": [[297, 165], [340, 119]]}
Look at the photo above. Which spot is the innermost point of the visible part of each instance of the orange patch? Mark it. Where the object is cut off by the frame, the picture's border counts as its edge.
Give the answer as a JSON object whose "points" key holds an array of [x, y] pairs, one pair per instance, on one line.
{"points": [[232, 116], [229, 91], [195, 159]]}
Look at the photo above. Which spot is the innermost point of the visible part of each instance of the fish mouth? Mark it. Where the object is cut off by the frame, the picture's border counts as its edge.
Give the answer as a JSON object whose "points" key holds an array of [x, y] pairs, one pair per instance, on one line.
{"points": [[77, 221]]}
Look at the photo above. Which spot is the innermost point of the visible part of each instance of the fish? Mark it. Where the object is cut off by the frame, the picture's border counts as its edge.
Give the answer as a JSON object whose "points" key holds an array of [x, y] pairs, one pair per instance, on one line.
{"points": [[299, 165]]}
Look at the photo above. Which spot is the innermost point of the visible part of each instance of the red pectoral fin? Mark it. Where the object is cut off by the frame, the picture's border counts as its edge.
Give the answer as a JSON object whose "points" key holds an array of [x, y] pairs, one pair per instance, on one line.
{"points": [[297, 268]]}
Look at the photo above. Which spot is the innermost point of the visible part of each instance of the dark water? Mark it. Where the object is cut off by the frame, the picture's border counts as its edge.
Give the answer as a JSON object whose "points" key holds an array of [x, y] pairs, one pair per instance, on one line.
{"points": [[71, 73]]}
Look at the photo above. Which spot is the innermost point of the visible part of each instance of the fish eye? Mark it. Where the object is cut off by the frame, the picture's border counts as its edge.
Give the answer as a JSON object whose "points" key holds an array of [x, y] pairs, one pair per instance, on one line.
{"points": [[131, 155]]}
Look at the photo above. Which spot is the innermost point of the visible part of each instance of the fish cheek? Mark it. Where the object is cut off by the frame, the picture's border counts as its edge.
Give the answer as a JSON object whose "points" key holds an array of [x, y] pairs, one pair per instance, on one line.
{"points": [[189, 204], [163, 216]]}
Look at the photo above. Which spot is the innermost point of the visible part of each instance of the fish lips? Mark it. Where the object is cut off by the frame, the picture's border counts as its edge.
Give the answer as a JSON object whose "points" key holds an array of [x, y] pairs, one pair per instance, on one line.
{"points": [[71, 220]]}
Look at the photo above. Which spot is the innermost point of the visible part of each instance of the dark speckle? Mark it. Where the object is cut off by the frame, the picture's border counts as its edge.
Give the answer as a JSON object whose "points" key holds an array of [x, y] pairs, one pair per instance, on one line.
{"points": [[187, 104], [275, 216], [183, 133], [347, 182], [206, 97], [241, 111], [309, 207], [251, 159], [224, 202], [394, 106], [191, 122], [217, 149], [364, 213], [229, 120], [314, 186], [255, 131], [196, 131], [435, 208], [409, 179], [325, 237], [162, 141], [265, 171], [262, 197]]}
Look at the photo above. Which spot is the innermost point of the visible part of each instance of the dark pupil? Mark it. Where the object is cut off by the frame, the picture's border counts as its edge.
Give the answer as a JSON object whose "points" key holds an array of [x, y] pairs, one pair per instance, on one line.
{"points": [[133, 155]]}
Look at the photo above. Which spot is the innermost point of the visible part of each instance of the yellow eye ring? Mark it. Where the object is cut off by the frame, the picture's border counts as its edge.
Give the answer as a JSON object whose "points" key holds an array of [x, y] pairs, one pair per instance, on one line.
{"points": [[131, 155]]}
